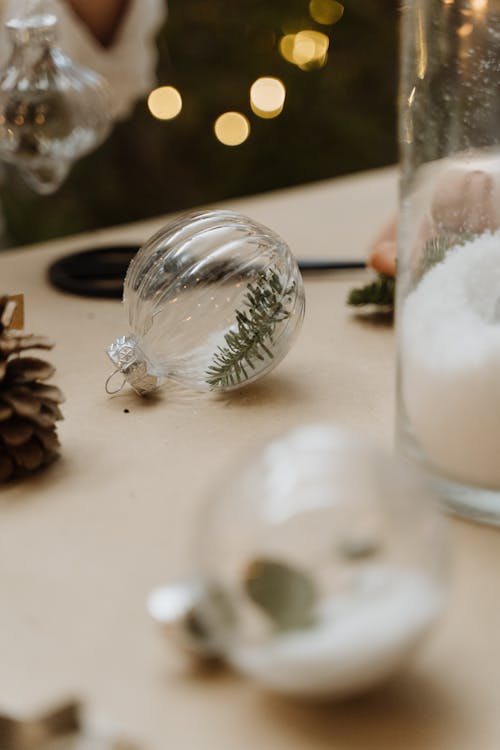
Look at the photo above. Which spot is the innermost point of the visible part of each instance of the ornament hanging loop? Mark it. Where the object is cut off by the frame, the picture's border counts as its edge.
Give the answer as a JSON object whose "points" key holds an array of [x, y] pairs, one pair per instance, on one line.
{"points": [[114, 391]]}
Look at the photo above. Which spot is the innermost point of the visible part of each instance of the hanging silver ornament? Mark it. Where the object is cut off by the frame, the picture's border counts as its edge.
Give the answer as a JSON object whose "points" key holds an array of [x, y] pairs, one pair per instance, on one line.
{"points": [[52, 112], [214, 301]]}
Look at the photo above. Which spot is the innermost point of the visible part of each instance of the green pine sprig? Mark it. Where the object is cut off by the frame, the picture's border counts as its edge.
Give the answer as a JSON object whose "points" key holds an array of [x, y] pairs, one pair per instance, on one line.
{"points": [[436, 248], [379, 293], [266, 301]]}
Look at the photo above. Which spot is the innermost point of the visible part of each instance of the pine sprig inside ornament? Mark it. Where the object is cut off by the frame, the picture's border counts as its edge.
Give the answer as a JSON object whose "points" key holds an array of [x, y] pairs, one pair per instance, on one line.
{"points": [[29, 408], [214, 302], [267, 302]]}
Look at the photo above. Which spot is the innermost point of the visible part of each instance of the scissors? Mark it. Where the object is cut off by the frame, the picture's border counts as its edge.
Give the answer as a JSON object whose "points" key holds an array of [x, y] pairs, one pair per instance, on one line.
{"points": [[100, 272]]}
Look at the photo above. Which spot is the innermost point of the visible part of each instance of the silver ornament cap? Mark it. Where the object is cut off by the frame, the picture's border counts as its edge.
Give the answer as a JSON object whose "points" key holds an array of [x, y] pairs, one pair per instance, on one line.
{"points": [[194, 613]]}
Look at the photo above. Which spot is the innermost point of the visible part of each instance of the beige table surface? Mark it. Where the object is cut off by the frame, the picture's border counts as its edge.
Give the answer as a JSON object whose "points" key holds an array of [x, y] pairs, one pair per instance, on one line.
{"points": [[82, 544]]}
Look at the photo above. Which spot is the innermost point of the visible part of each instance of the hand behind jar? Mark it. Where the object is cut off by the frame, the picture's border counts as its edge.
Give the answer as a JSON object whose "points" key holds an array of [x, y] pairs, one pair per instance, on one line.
{"points": [[464, 201]]}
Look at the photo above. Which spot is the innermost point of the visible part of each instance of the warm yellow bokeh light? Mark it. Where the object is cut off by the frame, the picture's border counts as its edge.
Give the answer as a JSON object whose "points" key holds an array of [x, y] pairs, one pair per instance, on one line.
{"points": [[310, 49], [479, 5], [304, 49], [232, 128], [287, 44], [267, 97], [465, 30], [326, 12], [165, 103]]}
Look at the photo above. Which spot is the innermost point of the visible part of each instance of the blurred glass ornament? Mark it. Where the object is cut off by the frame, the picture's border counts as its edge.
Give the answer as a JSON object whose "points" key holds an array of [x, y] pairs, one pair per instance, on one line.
{"points": [[62, 728], [52, 111], [214, 301], [322, 565]]}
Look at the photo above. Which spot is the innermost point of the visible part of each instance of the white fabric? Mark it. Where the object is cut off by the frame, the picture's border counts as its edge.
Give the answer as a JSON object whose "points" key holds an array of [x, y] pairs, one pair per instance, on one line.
{"points": [[128, 64]]}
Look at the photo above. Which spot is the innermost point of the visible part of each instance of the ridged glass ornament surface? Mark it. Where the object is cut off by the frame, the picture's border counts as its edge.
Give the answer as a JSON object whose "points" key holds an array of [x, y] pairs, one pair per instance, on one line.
{"points": [[214, 301], [52, 112]]}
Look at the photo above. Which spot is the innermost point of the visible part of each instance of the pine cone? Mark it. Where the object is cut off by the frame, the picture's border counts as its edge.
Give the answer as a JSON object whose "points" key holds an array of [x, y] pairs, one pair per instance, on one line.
{"points": [[28, 407]]}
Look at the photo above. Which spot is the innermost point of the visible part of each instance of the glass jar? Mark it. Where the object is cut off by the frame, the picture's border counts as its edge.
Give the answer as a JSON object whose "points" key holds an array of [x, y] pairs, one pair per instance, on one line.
{"points": [[448, 281]]}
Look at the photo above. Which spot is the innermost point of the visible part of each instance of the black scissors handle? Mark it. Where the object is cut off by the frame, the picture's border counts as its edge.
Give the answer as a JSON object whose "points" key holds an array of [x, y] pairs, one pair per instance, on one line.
{"points": [[100, 272], [319, 264], [93, 273]]}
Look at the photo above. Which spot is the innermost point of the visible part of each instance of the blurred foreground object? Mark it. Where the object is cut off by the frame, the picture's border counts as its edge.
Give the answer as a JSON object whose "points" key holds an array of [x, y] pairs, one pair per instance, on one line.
{"points": [[321, 567], [52, 112], [61, 728], [29, 408]]}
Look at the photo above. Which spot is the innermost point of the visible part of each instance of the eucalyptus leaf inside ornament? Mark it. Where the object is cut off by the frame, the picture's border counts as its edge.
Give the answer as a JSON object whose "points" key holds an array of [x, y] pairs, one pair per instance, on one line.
{"points": [[214, 301], [321, 565]]}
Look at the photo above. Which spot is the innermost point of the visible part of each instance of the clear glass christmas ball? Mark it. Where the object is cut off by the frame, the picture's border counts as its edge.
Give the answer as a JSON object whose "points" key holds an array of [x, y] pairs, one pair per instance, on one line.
{"points": [[322, 566], [214, 301], [52, 112]]}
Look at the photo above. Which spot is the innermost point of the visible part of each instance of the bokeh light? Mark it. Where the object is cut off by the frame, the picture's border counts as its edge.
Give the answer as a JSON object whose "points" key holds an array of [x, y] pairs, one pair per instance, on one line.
{"points": [[232, 128], [286, 46], [478, 8], [165, 103], [308, 49], [326, 12], [267, 97], [465, 30]]}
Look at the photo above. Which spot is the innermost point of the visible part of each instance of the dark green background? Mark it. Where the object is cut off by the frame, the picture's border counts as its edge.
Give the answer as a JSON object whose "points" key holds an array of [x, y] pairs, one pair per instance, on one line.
{"points": [[338, 119]]}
